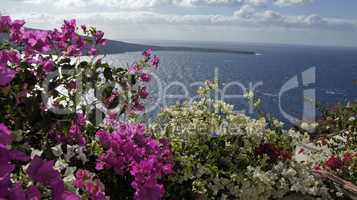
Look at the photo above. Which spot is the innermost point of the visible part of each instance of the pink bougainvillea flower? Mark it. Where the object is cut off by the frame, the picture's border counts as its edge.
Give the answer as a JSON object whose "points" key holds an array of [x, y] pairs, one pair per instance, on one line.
{"points": [[147, 53], [93, 51], [5, 135], [104, 137], [273, 152], [99, 40], [155, 61], [110, 100], [17, 24], [7, 188], [138, 107], [6, 75], [143, 93], [36, 42], [79, 41], [333, 163], [33, 193], [42, 171], [74, 135], [72, 50], [5, 22], [134, 69], [145, 77], [48, 65], [127, 146], [5, 166], [89, 184], [16, 30], [18, 155], [17, 192], [81, 119], [347, 157], [150, 190], [10, 57], [69, 26], [69, 196]]}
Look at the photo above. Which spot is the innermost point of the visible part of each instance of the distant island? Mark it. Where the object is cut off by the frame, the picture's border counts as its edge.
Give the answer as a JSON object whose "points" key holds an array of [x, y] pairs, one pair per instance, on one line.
{"points": [[115, 47]]}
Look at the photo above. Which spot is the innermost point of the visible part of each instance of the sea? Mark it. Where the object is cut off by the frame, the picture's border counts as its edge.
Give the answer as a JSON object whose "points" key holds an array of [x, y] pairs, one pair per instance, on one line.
{"points": [[290, 80]]}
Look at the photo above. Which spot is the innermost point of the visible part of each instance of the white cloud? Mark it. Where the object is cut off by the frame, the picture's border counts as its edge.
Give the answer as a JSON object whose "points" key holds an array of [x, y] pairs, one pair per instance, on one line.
{"points": [[291, 2], [246, 17], [135, 4], [189, 19], [256, 2]]}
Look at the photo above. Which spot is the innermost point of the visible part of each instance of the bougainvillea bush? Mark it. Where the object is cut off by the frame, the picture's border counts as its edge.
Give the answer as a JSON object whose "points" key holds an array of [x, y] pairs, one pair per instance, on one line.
{"points": [[70, 129], [334, 152], [221, 154], [53, 143]]}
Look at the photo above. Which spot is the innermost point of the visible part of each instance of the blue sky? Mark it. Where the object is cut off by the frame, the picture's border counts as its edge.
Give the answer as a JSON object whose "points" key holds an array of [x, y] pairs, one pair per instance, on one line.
{"points": [[332, 8], [312, 22]]}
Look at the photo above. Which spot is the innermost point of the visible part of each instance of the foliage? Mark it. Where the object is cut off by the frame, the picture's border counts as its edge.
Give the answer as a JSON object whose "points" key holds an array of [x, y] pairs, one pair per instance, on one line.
{"points": [[223, 154], [55, 90], [339, 121], [130, 150], [51, 96], [336, 144]]}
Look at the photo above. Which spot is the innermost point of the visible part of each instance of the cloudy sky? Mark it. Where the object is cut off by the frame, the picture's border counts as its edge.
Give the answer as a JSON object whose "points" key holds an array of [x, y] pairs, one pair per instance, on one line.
{"points": [[314, 22]]}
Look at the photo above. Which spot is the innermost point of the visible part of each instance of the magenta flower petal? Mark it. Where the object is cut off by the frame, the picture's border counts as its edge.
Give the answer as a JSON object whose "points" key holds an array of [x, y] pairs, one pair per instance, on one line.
{"points": [[147, 53], [6, 75], [42, 171], [5, 135], [5, 170], [4, 23], [69, 196], [19, 156], [145, 158], [155, 61], [18, 192], [145, 77], [33, 193], [48, 66]]}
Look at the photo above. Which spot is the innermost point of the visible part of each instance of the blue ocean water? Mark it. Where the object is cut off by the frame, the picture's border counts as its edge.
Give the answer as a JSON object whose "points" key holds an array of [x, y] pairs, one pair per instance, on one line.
{"points": [[273, 66]]}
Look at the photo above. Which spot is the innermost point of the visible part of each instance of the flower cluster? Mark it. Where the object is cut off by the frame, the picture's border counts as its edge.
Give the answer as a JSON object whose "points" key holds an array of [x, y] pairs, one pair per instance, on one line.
{"points": [[273, 152], [44, 87], [344, 166], [7, 156], [63, 42], [333, 154], [50, 97], [223, 154], [86, 182], [129, 149], [39, 171], [43, 172], [74, 135]]}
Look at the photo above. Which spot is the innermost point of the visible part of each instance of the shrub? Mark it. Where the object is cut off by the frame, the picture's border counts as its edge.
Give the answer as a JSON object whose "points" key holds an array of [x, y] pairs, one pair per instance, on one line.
{"points": [[51, 96], [221, 154], [54, 144]]}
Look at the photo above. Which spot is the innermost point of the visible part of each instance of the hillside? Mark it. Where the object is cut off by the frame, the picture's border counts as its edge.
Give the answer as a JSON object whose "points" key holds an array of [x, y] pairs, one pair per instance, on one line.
{"points": [[114, 47]]}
